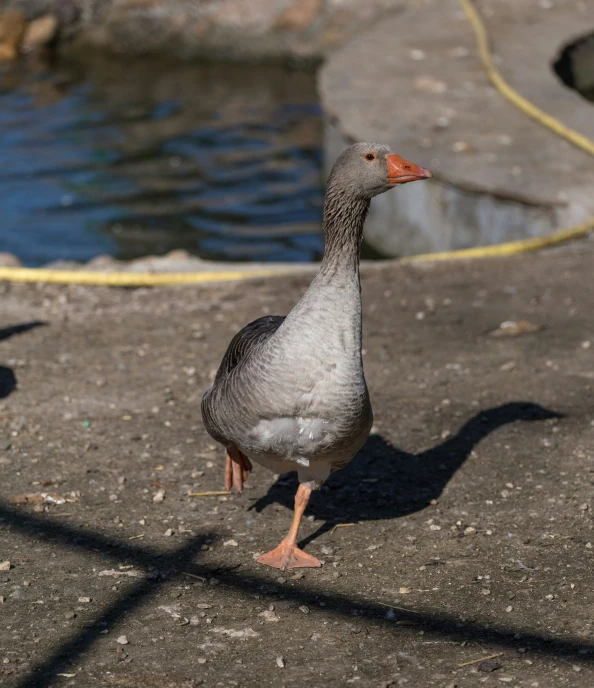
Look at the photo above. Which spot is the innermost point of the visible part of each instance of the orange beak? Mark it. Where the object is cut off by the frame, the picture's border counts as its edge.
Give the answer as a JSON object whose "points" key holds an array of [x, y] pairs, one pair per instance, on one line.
{"points": [[400, 171]]}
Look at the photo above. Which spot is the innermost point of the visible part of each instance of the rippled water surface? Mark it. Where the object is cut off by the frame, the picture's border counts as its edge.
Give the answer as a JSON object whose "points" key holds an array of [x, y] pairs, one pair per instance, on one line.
{"points": [[141, 157]]}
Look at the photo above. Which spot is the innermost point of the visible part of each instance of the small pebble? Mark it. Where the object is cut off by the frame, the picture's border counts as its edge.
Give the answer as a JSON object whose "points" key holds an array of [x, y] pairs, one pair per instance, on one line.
{"points": [[304, 609], [122, 640], [280, 662], [489, 665], [269, 615], [416, 54], [70, 615]]}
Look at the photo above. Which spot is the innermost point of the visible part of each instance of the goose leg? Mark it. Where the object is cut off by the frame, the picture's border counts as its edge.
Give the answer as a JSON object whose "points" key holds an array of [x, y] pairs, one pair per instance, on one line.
{"points": [[287, 555], [237, 467]]}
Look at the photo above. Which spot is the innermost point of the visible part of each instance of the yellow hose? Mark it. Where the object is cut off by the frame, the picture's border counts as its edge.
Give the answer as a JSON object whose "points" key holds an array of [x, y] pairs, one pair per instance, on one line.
{"points": [[482, 41], [127, 279], [509, 248]]}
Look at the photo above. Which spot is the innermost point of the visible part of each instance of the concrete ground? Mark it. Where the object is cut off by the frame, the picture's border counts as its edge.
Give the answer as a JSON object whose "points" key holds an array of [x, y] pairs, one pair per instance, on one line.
{"points": [[468, 530]]}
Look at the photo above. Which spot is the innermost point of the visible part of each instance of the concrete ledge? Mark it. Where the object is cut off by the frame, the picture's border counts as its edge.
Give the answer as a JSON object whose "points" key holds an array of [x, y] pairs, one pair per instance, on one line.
{"points": [[499, 175]]}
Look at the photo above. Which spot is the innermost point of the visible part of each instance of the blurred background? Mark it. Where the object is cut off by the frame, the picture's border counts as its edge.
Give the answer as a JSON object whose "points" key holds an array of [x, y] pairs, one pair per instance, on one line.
{"points": [[140, 127]]}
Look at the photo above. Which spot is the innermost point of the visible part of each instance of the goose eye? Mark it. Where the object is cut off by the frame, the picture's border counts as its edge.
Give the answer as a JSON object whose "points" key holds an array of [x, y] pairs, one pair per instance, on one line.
{"points": [[370, 157]]}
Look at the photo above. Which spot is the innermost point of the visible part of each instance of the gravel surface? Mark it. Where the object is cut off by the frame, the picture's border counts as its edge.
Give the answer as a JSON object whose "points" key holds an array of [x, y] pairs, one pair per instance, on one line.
{"points": [[465, 552]]}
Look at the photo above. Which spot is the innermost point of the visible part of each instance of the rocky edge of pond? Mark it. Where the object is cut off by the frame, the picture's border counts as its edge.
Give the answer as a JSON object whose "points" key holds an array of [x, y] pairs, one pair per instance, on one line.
{"points": [[241, 29], [175, 261]]}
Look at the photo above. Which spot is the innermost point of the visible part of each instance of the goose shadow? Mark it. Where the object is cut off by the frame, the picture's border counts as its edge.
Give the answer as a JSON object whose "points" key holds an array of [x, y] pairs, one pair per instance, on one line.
{"points": [[8, 332], [384, 482], [8, 381]]}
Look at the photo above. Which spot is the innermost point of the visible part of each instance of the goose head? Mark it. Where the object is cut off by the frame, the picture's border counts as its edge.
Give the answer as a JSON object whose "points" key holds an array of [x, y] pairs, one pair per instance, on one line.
{"points": [[365, 170]]}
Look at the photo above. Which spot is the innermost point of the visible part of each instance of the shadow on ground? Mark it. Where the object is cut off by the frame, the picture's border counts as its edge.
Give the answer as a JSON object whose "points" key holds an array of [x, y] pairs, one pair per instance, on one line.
{"points": [[384, 482], [404, 483], [8, 332], [8, 381]]}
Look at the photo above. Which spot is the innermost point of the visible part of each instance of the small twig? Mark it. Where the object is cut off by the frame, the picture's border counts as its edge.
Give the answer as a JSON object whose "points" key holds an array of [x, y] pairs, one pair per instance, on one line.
{"points": [[193, 575], [480, 659], [342, 525], [211, 493], [136, 537], [402, 609], [156, 483]]}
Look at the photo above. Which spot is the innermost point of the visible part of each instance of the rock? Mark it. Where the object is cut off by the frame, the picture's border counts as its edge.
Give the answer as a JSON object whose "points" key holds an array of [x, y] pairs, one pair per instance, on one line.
{"points": [[511, 328], [179, 254], [102, 262], [67, 11], [299, 15], [122, 640], [40, 33], [12, 29], [489, 665], [37, 498], [234, 633], [4, 566], [232, 29], [8, 260]]}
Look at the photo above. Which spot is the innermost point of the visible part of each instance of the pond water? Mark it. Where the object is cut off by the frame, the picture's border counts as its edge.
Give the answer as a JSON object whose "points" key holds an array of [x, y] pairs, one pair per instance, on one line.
{"points": [[133, 158]]}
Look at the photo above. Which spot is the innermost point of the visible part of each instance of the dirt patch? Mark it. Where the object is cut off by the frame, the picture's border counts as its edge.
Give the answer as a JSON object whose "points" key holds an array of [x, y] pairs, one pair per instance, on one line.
{"points": [[464, 555]]}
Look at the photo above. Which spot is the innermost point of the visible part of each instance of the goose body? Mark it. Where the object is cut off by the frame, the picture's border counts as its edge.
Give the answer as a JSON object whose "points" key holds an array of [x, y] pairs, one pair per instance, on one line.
{"points": [[290, 393]]}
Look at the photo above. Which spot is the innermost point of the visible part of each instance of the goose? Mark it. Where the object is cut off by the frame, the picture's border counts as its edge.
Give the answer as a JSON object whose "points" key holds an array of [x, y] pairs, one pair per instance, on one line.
{"points": [[290, 393]]}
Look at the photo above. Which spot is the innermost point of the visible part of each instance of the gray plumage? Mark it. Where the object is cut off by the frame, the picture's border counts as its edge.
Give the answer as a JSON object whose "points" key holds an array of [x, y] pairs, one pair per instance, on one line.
{"points": [[290, 392]]}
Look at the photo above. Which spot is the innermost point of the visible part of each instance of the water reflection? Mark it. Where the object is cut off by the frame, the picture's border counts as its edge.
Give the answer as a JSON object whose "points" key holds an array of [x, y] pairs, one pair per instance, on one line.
{"points": [[141, 157]]}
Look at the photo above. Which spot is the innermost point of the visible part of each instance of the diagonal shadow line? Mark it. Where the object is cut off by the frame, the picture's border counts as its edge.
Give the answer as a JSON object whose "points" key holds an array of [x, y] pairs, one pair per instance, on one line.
{"points": [[336, 604], [7, 332], [374, 613], [52, 530], [70, 650]]}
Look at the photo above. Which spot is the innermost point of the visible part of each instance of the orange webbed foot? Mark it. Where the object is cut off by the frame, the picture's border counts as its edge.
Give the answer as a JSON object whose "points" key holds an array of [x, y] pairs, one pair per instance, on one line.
{"points": [[286, 557]]}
